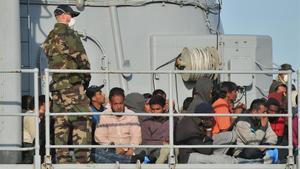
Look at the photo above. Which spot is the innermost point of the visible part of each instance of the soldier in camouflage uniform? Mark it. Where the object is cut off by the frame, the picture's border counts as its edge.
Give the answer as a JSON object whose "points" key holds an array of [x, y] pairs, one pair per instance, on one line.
{"points": [[64, 50]]}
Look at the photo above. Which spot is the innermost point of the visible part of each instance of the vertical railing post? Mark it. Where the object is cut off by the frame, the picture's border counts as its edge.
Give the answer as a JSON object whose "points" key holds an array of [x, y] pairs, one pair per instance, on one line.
{"points": [[171, 125], [290, 120], [47, 118], [37, 157], [298, 88]]}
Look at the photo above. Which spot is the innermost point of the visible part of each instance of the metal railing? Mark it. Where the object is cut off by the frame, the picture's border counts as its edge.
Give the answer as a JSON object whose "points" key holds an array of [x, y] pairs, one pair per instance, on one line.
{"points": [[37, 157], [298, 113], [171, 115]]}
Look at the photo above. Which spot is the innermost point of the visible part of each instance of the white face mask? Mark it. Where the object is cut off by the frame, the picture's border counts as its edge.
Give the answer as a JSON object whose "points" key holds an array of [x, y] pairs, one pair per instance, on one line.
{"points": [[285, 78], [72, 22]]}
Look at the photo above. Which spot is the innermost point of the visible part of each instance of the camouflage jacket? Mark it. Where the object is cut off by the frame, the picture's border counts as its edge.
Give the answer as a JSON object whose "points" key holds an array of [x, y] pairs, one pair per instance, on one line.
{"points": [[64, 50]]}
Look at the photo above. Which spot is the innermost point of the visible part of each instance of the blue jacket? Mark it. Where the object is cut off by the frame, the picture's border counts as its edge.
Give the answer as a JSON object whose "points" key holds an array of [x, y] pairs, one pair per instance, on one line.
{"points": [[96, 118]]}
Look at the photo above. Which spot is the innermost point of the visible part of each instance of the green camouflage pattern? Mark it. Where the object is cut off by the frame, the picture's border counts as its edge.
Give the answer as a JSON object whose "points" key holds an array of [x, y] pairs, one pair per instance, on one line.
{"points": [[65, 50], [79, 126]]}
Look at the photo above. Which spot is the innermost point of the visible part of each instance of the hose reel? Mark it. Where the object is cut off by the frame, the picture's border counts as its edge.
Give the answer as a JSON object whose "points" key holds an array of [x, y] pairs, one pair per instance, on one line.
{"points": [[198, 59]]}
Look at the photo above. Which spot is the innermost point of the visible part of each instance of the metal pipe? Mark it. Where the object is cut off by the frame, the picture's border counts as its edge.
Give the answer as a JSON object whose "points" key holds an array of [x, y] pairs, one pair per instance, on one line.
{"points": [[232, 146], [107, 78], [171, 124], [17, 70], [28, 32], [16, 149], [232, 115], [118, 165], [37, 157], [104, 60], [47, 113], [109, 146], [167, 114], [17, 114], [194, 3], [168, 146], [298, 80], [290, 120], [164, 72], [117, 41]]}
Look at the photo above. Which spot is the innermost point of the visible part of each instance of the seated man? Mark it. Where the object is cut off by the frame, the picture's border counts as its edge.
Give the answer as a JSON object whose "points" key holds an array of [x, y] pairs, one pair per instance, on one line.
{"points": [[163, 94], [135, 102], [155, 129], [281, 88], [97, 101], [28, 129], [278, 124], [195, 131], [254, 131], [277, 104], [118, 130]]}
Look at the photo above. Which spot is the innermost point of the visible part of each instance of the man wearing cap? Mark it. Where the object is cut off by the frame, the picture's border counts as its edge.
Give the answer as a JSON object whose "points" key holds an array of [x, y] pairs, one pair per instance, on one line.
{"points": [[97, 101], [64, 50], [282, 78]]}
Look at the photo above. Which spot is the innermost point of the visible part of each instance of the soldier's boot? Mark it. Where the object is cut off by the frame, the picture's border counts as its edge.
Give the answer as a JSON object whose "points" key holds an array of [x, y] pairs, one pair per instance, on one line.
{"points": [[63, 156], [82, 156]]}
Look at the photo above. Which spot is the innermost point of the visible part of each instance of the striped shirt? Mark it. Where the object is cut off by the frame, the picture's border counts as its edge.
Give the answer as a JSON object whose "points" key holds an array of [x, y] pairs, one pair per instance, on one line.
{"points": [[118, 130]]}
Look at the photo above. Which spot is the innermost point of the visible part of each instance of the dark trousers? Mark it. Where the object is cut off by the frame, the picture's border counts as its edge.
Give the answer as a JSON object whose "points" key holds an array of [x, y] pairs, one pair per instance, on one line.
{"points": [[251, 153], [27, 156]]}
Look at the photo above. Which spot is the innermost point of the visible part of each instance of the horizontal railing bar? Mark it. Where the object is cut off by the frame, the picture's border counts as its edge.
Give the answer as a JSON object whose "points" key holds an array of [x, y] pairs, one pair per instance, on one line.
{"points": [[19, 70], [17, 114], [231, 115], [178, 166], [167, 114], [101, 113], [164, 72], [109, 146], [140, 72], [232, 146], [168, 146], [16, 148]]}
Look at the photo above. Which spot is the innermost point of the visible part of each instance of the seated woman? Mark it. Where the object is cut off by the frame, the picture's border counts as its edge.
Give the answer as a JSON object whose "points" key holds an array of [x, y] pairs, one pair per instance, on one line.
{"points": [[155, 130]]}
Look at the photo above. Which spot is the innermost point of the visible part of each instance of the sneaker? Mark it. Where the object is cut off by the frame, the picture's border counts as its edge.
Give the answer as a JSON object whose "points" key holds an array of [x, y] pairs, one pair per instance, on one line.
{"points": [[146, 160], [271, 156]]}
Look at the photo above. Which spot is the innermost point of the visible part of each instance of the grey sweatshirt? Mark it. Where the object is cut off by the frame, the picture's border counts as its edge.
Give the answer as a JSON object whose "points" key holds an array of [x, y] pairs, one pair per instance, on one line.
{"points": [[250, 132]]}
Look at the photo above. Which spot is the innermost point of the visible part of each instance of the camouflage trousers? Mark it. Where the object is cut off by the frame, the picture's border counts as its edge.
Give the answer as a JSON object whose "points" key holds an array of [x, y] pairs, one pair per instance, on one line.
{"points": [[76, 129]]}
